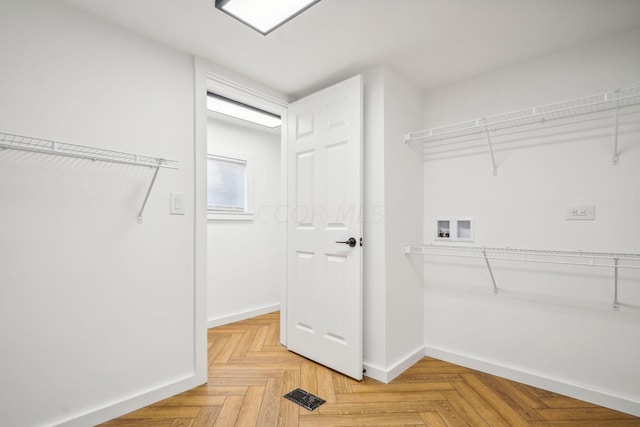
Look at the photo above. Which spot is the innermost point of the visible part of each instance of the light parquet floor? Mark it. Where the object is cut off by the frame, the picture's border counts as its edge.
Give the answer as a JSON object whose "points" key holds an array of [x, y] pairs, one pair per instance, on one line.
{"points": [[249, 371]]}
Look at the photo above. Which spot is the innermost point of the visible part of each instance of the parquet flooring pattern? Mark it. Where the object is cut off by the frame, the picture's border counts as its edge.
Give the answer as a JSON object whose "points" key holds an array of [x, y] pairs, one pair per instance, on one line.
{"points": [[249, 371]]}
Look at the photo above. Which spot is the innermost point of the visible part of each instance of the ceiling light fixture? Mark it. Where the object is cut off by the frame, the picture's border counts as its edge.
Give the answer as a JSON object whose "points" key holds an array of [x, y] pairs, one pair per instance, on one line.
{"points": [[229, 107], [264, 16]]}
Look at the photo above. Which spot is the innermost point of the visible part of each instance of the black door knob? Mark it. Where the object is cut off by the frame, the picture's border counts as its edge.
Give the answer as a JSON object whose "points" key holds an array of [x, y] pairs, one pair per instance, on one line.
{"points": [[351, 242]]}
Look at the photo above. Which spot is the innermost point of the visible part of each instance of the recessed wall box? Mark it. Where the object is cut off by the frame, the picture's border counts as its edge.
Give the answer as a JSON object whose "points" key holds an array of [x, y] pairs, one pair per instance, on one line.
{"points": [[455, 229], [444, 229], [463, 229]]}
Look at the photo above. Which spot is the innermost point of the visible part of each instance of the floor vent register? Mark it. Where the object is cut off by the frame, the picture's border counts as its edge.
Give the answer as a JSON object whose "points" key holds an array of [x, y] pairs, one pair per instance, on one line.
{"points": [[304, 398]]}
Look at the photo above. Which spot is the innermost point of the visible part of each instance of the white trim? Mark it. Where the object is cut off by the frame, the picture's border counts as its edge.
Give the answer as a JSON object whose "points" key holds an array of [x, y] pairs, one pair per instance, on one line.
{"points": [[224, 320], [131, 403], [389, 374], [375, 372], [284, 200], [200, 219], [229, 216], [226, 83], [577, 391], [405, 363]]}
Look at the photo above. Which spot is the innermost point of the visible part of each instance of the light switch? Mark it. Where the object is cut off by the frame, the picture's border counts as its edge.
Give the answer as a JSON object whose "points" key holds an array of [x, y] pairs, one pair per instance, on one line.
{"points": [[177, 204]]}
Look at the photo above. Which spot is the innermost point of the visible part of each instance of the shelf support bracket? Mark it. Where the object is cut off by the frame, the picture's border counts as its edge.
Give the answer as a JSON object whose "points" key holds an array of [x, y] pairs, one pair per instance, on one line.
{"points": [[146, 197], [493, 280], [493, 160], [616, 159], [408, 140], [616, 305]]}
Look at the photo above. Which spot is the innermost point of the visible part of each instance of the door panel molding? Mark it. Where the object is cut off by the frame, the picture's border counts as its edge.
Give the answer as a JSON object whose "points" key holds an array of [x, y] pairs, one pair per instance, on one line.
{"points": [[324, 301]]}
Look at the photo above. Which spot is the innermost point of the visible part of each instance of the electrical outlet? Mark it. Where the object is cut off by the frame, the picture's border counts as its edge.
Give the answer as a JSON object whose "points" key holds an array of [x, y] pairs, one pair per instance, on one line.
{"points": [[581, 212]]}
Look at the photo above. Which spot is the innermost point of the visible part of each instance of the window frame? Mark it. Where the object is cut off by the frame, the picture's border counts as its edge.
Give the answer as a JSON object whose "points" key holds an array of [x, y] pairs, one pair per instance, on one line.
{"points": [[230, 215]]}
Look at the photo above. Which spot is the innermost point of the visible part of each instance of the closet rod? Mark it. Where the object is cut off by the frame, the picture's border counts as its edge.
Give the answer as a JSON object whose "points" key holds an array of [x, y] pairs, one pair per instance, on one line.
{"points": [[579, 258]]}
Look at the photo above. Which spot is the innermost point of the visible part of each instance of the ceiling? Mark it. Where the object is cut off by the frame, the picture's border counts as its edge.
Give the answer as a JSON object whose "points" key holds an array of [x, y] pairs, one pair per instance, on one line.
{"points": [[430, 42]]}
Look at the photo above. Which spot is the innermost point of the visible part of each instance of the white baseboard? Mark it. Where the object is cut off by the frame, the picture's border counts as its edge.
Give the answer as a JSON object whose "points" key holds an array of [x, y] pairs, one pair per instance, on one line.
{"points": [[389, 374], [576, 391], [133, 403], [375, 372], [223, 320]]}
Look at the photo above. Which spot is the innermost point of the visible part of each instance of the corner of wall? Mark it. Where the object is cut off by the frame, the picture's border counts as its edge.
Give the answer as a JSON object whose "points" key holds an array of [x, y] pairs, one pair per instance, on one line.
{"points": [[403, 220], [374, 333], [574, 389], [464, 323]]}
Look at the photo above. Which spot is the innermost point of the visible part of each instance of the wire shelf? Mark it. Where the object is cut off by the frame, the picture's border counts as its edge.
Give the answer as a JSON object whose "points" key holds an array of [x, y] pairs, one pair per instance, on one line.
{"points": [[615, 261], [597, 259], [46, 146], [561, 110], [10, 141]]}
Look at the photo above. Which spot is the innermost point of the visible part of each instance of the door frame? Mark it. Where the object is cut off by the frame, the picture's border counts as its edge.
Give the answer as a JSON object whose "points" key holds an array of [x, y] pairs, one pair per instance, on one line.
{"points": [[213, 78]]}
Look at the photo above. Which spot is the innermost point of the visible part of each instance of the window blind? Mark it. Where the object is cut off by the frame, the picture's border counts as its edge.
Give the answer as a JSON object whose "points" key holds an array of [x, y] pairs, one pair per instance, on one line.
{"points": [[226, 184]]}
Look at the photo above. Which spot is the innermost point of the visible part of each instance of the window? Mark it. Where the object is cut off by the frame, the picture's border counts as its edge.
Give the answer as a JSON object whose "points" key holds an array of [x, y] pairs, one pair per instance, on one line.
{"points": [[229, 187], [227, 184]]}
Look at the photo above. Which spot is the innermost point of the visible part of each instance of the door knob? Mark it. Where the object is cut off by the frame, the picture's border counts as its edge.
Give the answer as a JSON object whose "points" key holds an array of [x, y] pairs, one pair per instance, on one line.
{"points": [[351, 242]]}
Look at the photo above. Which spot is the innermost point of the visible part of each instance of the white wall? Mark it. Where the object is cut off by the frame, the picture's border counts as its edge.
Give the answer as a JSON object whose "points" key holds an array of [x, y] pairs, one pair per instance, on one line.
{"points": [[403, 222], [392, 215], [374, 302], [243, 279], [97, 313], [550, 326]]}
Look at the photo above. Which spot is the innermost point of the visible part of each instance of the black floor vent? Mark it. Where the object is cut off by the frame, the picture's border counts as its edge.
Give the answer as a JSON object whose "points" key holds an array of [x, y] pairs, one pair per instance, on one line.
{"points": [[304, 399]]}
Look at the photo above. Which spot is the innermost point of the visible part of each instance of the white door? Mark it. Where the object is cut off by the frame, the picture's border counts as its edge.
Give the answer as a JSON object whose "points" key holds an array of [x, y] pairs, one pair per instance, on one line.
{"points": [[324, 288]]}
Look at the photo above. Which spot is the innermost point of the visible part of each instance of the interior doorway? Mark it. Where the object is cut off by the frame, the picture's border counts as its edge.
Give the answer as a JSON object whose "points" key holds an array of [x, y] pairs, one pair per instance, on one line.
{"points": [[243, 212], [332, 109], [211, 78]]}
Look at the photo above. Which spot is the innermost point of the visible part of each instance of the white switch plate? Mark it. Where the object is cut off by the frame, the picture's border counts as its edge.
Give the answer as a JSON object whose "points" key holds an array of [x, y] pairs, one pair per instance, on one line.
{"points": [[177, 204], [581, 212]]}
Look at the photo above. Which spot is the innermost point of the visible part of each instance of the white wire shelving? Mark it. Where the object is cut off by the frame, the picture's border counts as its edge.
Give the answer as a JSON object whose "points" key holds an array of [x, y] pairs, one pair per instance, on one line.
{"points": [[485, 126], [36, 145], [614, 261]]}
